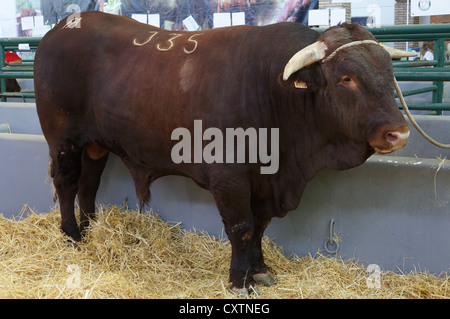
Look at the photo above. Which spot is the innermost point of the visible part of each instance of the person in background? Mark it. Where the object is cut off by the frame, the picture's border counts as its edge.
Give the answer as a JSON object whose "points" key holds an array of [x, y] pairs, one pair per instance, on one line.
{"points": [[29, 12], [427, 51], [11, 84], [447, 50], [297, 11]]}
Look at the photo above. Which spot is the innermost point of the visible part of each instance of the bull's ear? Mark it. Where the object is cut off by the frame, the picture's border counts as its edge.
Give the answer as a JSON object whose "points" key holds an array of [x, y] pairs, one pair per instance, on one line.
{"points": [[306, 80], [292, 83], [299, 84], [295, 83]]}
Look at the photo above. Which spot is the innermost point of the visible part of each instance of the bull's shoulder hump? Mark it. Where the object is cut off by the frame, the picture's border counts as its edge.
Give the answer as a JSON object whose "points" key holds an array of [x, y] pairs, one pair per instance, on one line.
{"points": [[292, 27]]}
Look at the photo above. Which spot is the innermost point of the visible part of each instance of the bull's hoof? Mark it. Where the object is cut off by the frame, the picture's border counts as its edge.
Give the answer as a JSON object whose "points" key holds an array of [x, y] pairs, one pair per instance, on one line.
{"points": [[71, 243], [245, 292], [73, 235], [266, 279]]}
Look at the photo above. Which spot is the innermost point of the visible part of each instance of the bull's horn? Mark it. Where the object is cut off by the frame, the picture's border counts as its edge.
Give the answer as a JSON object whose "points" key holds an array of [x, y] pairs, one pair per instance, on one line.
{"points": [[312, 53], [397, 54]]}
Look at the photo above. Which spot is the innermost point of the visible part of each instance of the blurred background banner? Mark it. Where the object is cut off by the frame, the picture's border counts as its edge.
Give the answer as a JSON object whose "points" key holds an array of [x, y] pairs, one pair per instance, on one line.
{"points": [[429, 7]]}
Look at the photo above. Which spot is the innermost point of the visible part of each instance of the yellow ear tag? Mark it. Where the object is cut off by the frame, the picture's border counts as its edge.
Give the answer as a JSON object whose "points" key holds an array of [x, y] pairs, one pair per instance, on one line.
{"points": [[300, 84]]}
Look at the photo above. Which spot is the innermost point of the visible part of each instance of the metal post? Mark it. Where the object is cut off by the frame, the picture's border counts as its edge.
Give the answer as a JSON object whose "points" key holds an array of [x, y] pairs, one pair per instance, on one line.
{"points": [[439, 56], [2, 65], [407, 22]]}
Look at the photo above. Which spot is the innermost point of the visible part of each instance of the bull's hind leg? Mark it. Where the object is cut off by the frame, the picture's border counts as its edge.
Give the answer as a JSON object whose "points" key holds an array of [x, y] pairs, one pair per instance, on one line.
{"points": [[93, 161], [261, 273], [65, 171]]}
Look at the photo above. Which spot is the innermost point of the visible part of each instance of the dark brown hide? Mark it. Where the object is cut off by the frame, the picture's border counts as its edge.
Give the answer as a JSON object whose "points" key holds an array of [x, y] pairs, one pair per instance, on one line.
{"points": [[115, 85], [12, 85]]}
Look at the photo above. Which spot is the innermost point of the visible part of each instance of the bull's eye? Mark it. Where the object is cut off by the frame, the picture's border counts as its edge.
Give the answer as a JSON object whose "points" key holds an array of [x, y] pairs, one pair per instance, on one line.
{"points": [[348, 82]]}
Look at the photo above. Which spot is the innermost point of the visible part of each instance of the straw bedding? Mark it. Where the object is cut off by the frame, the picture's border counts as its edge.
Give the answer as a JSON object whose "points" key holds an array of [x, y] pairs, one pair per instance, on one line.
{"points": [[137, 255]]}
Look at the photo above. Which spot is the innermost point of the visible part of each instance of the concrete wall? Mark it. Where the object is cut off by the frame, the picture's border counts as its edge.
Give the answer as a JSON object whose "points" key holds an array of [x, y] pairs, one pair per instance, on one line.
{"points": [[392, 211]]}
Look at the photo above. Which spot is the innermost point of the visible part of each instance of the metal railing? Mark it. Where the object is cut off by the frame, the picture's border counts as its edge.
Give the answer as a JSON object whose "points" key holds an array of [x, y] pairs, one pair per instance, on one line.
{"points": [[16, 71], [436, 71]]}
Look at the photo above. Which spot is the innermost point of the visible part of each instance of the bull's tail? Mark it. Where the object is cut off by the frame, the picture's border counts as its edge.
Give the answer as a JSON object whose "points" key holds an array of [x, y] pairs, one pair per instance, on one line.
{"points": [[49, 179]]}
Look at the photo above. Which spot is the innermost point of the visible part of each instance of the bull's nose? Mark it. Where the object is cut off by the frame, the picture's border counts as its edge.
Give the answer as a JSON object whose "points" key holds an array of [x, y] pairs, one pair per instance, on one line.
{"points": [[391, 140], [397, 139]]}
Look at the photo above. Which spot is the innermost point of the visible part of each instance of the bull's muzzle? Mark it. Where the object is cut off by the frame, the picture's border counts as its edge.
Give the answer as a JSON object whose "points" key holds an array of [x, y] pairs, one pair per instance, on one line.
{"points": [[387, 140]]}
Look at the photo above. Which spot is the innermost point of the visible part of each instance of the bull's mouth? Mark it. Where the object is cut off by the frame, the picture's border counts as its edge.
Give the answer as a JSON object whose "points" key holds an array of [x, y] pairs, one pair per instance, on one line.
{"points": [[383, 151]]}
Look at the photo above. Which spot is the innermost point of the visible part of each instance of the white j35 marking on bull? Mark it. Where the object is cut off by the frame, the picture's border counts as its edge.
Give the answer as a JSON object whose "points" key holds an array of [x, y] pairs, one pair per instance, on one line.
{"points": [[167, 45], [213, 152]]}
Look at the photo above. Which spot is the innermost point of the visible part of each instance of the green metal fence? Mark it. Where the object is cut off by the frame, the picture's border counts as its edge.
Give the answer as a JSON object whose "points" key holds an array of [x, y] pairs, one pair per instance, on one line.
{"points": [[15, 71], [436, 71]]}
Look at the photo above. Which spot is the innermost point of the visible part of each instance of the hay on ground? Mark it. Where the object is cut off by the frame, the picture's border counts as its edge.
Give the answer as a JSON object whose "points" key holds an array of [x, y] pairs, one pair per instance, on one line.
{"points": [[137, 255]]}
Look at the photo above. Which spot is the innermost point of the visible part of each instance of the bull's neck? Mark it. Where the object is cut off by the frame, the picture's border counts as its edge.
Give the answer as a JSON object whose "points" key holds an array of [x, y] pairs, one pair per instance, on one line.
{"points": [[307, 130], [302, 147]]}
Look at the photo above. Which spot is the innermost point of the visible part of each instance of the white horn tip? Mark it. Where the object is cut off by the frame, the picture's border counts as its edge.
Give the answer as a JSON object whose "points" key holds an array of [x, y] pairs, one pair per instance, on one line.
{"points": [[395, 53]]}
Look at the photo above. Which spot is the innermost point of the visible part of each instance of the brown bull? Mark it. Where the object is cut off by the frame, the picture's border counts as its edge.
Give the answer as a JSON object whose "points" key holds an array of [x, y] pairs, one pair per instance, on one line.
{"points": [[106, 83]]}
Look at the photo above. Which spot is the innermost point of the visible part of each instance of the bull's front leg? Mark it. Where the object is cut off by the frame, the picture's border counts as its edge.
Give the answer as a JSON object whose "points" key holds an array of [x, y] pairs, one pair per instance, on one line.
{"points": [[247, 262], [233, 196], [241, 271]]}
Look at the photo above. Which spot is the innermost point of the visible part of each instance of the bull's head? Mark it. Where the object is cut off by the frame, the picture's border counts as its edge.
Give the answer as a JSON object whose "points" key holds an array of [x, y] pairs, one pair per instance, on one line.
{"points": [[359, 82]]}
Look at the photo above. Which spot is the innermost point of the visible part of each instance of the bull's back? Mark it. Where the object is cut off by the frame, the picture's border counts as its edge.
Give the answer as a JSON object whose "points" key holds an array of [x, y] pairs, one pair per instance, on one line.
{"points": [[109, 54]]}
